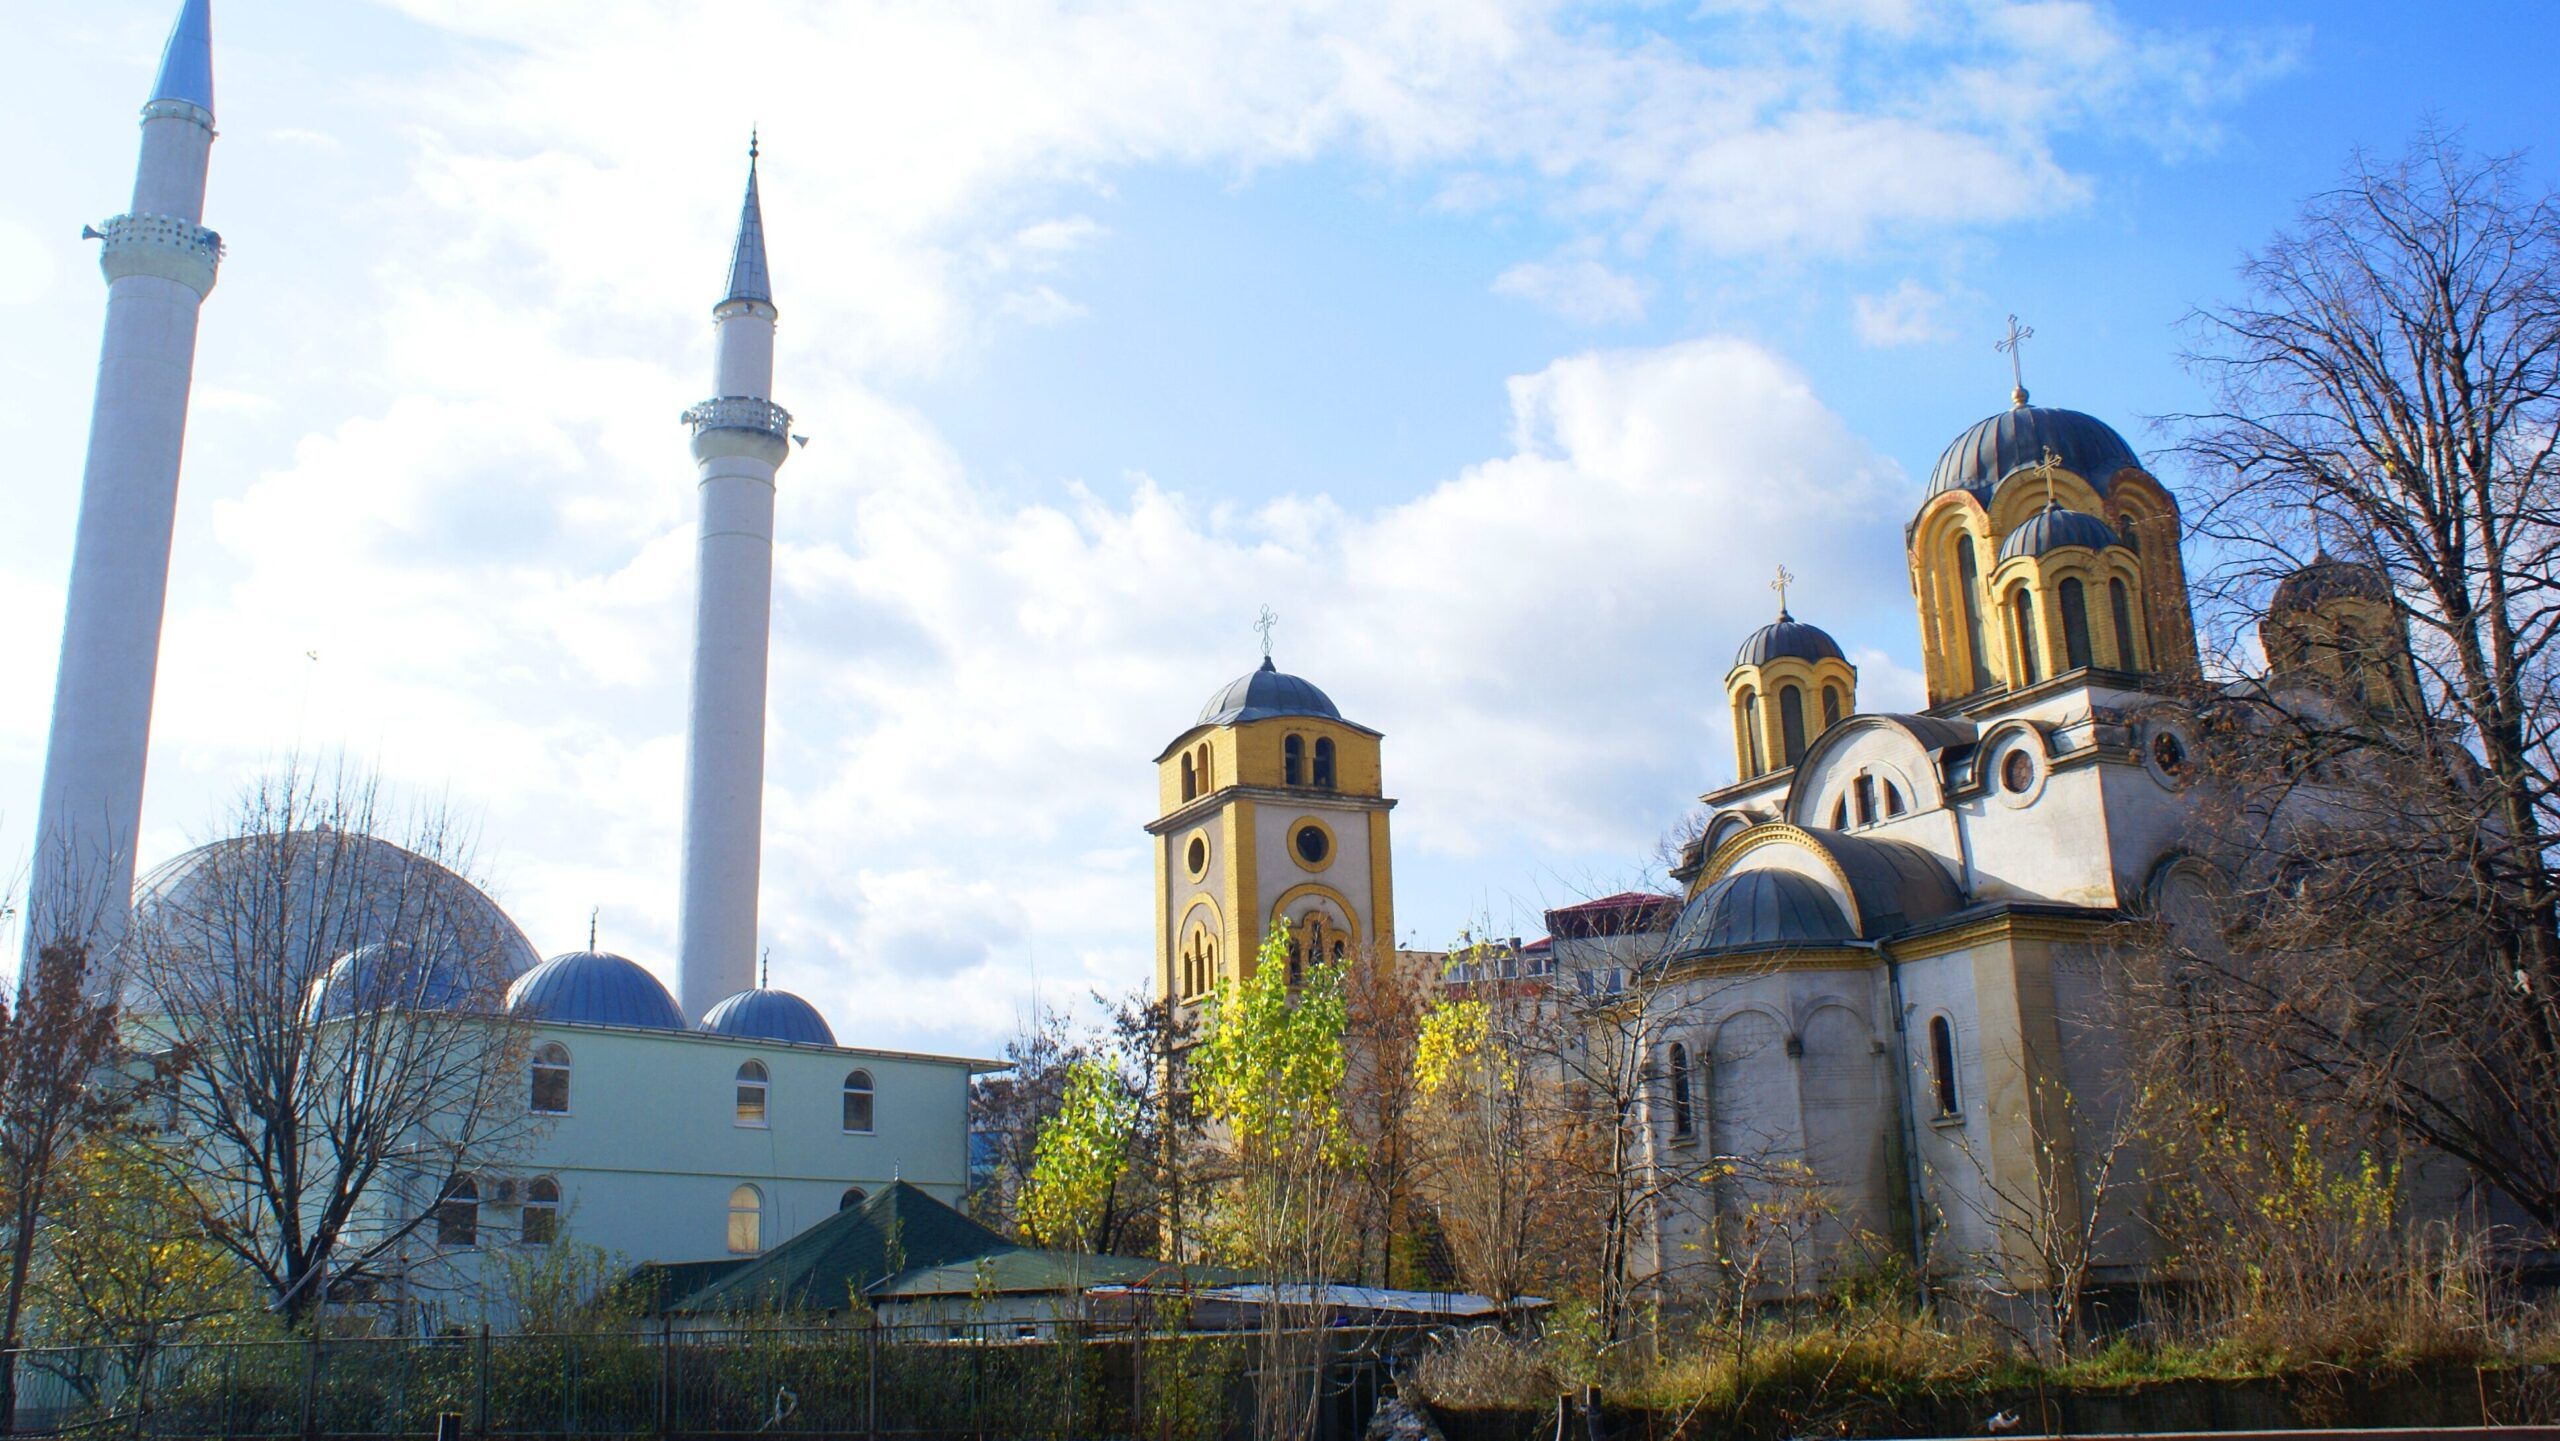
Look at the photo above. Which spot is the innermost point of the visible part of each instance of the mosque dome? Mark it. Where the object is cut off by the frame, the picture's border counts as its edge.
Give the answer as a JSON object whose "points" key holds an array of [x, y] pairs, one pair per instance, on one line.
{"points": [[394, 975], [769, 1015], [2018, 437], [1785, 638], [1758, 909], [1264, 693], [594, 988], [2327, 578], [2054, 528]]}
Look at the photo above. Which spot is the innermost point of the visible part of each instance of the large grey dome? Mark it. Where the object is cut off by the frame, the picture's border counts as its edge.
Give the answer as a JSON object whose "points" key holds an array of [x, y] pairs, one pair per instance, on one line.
{"points": [[2017, 438], [1264, 693], [594, 988], [395, 976], [769, 1015], [1757, 909], [1787, 637], [2053, 528]]}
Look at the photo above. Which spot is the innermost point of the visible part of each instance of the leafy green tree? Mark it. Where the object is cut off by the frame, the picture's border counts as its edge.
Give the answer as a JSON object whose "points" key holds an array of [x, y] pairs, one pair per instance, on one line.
{"points": [[1071, 1201]]}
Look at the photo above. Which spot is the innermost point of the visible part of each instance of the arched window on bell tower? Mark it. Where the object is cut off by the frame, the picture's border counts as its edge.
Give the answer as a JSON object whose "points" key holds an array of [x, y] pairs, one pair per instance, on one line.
{"points": [[2074, 600], [1324, 764], [2022, 613], [1293, 761], [1190, 779], [1969, 581], [1791, 721]]}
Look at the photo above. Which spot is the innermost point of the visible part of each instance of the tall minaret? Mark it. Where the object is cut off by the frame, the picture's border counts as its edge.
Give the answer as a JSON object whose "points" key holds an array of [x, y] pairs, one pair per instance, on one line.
{"points": [[160, 262], [739, 438]]}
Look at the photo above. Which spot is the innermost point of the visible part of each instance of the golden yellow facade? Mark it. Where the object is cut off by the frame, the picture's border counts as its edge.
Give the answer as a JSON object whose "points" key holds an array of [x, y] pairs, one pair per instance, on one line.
{"points": [[1782, 705]]}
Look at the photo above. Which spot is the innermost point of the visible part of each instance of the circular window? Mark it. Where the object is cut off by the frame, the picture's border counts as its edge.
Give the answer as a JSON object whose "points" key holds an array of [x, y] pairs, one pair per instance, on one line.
{"points": [[1312, 844], [2169, 753], [1196, 856], [2166, 751], [2018, 772]]}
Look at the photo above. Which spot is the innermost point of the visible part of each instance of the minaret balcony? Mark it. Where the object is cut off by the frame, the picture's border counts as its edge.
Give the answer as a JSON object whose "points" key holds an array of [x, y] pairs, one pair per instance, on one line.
{"points": [[740, 425], [161, 245]]}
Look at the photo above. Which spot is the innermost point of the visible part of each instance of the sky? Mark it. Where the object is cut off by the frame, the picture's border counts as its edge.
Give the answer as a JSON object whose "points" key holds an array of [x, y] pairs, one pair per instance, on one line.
{"points": [[1502, 347]]}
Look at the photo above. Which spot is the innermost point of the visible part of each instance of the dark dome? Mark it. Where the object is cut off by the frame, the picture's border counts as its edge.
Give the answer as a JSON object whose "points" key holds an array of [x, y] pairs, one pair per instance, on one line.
{"points": [[594, 988], [2053, 527], [769, 1015], [1264, 693], [2327, 578], [2017, 437], [394, 976], [1754, 910], [1788, 637]]}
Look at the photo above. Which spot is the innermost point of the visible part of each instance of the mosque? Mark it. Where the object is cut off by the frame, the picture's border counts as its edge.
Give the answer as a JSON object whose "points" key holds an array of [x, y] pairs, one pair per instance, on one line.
{"points": [[703, 1126]]}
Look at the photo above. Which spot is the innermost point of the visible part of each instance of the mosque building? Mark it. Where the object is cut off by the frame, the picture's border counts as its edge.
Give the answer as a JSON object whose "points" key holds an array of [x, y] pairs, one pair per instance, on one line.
{"points": [[704, 1126]]}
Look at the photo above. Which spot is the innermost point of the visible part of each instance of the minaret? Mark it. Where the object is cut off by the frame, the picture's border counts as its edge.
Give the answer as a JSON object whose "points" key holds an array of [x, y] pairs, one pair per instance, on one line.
{"points": [[160, 262], [739, 439]]}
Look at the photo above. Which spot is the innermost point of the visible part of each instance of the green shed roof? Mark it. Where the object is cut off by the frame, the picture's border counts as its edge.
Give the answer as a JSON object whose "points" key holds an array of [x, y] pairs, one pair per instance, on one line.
{"points": [[822, 1267]]}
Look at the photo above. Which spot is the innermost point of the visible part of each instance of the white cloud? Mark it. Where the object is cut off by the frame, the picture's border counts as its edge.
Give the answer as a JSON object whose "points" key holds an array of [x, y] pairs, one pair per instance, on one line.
{"points": [[26, 264], [1908, 314], [1583, 291]]}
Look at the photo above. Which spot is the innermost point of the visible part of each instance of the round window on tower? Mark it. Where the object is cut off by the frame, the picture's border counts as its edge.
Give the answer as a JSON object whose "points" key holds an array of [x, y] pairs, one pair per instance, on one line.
{"points": [[1310, 844], [1195, 855], [2166, 753], [2018, 772]]}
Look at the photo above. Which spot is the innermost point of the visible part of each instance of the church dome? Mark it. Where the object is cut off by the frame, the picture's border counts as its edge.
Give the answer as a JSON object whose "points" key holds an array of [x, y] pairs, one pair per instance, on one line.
{"points": [[1788, 638], [594, 988], [396, 976], [1264, 693], [769, 1015], [2017, 438], [2054, 528], [2327, 578], [1759, 909]]}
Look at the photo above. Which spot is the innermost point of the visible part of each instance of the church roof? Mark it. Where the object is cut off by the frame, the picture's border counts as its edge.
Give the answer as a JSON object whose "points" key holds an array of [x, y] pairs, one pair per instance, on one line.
{"points": [[2328, 578], [748, 279], [1759, 909], [1263, 693], [2054, 528], [1787, 637], [186, 66], [1997, 447], [769, 1015], [594, 988]]}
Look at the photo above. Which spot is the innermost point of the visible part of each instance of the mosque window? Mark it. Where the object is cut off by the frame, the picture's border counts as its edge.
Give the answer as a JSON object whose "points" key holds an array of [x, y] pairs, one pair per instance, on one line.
{"points": [[1324, 764], [2075, 624], [1751, 733], [1864, 788], [746, 1221], [1190, 779], [2022, 609], [1684, 1121], [539, 1224], [857, 1102], [551, 1079], [2120, 607], [1830, 706], [458, 1213], [1293, 760], [1791, 721], [1942, 1065], [752, 1086], [853, 1196], [1969, 581]]}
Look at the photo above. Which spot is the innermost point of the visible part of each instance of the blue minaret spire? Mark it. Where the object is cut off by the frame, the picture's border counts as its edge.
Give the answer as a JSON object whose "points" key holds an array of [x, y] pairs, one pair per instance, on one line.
{"points": [[748, 279], [186, 66]]}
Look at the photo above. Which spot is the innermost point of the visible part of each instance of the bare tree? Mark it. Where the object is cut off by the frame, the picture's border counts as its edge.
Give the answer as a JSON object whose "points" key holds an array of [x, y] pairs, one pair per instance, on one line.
{"points": [[1008, 1109], [2390, 391], [334, 1000]]}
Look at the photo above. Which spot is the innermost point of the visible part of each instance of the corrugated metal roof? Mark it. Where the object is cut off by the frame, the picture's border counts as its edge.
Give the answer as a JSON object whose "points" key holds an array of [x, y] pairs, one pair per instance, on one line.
{"points": [[1990, 450], [2053, 528], [1263, 693], [769, 1015], [595, 988]]}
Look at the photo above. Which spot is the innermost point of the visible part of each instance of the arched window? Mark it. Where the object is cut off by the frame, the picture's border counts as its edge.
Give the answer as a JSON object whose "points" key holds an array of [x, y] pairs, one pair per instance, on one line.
{"points": [[1969, 580], [1751, 733], [1830, 706], [551, 1079], [1324, 763], [1942, 1066], [1892, 799], [1864, 788], [1190, 779], [540, 1223], [1840, 815], [1683, 1120], [1293, 760], [2132, 536], [857, 1102], [458, 1213], [2022, 607], [1791, 721], [2075, 623], [1208, 771], [746, 1221], [2120, 609], [752, 1086], [853, 1196]]}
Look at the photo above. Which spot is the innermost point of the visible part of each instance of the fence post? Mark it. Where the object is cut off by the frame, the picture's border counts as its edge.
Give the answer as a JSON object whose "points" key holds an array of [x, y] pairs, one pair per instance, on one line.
{"points": [[311, 1384], [480, 1393], [871, 1381], [666, 1366]]}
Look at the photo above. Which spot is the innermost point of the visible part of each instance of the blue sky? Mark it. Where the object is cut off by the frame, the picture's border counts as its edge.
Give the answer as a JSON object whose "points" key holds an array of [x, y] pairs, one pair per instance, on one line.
{"points": [[1502, 347]]}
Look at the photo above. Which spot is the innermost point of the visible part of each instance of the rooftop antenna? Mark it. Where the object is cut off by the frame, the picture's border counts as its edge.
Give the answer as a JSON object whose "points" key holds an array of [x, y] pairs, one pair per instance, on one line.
{"points": [[1784, 579], [2018, 335], [592, 913], [1268, 621]]}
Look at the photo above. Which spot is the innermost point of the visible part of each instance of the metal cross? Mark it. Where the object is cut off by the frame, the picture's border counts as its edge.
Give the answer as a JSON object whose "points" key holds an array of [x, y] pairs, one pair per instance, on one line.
{"points": [[2017, 337], [1784, 579], [1268, 621], [2052, 458]]}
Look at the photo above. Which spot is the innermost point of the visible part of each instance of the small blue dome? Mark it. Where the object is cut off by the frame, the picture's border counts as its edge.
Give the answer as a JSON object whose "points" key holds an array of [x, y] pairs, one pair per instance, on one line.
{"points": [[392, 976], [2016, 438], [1759, 910], [2327, 578], [769, 1015], [2053, 528], [594, 988], [1264, 693], [1787, 637]]}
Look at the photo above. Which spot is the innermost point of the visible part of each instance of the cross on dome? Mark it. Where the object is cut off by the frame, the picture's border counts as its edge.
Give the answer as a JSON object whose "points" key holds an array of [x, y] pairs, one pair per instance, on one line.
{"points": [[1785, 578], [1267, 622], [2012, 343]]}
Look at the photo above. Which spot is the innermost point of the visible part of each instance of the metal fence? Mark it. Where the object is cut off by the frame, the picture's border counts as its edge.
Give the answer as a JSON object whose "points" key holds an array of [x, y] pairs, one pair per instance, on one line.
{"points": [[946, 1383]]}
